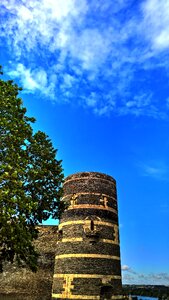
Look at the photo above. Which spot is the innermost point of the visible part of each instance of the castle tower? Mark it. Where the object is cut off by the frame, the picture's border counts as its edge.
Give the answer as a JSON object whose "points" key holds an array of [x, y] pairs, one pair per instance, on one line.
{"points": [[87, 262]]}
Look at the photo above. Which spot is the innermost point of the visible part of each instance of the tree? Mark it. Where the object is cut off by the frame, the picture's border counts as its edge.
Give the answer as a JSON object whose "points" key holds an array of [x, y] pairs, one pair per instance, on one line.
{"points": [[30, 180]]}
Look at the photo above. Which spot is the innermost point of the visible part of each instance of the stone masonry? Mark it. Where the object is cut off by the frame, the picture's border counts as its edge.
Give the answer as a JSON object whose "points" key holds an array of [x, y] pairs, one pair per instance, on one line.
{"points": [[82, 256], [87, 260], [22, 284]]}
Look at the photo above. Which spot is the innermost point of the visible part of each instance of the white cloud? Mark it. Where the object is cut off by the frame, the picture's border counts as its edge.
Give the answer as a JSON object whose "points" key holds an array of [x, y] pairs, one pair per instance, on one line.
{"points": [[156, 23], [69, 48], [48, 21], [25, 14], [156, 170], [142, 278], [26, 77], [34, 80], [91, 100], [91, 48], [125, 268], [68, 80]]}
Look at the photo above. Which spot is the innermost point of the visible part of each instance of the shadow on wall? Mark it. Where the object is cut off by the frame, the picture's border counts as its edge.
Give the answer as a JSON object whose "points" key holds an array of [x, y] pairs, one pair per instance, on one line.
{"points": [[106, 293]]}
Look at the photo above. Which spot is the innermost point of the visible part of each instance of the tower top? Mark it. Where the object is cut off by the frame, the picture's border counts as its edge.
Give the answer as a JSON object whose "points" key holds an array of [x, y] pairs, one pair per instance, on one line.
{"points": [[92, 175]]}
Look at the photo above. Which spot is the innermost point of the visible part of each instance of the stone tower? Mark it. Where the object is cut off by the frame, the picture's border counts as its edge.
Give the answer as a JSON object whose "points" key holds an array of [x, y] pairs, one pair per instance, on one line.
{"points": [[87, 262]]}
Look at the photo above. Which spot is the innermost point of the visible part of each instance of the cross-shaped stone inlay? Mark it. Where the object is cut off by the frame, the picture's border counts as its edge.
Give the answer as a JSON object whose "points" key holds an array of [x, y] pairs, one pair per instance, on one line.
{"points": [[67, 285], [73, 200], [104, 200]]}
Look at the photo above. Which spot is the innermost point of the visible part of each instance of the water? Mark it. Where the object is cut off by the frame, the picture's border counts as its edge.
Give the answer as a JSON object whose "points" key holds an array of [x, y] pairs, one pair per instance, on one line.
{"points": [[143, 298]]}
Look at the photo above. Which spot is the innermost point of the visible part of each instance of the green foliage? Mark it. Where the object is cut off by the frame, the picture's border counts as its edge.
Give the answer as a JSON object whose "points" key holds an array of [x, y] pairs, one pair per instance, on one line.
{"points": [[30, 179]]}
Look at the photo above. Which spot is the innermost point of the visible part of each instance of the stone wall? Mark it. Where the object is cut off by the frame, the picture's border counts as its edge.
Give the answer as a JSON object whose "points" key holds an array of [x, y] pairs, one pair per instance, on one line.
{"points": [[20, 284]]}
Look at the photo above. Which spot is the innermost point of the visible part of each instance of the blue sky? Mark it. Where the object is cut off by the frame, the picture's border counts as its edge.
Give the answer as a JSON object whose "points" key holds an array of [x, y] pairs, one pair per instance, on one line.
{"points": [[95, 75]]}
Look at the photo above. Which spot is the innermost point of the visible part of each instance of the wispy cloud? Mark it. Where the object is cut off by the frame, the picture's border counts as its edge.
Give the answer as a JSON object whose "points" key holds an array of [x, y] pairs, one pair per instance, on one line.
{"points": [[107, 56], [128, 269], [156, 22], [131, 277], [34, 79], [155, 169]]}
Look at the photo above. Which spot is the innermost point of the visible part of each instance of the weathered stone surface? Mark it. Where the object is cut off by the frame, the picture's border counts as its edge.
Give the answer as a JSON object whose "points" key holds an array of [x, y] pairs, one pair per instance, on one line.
{"points": [[19, 284], [87, 235], [87, 262]]}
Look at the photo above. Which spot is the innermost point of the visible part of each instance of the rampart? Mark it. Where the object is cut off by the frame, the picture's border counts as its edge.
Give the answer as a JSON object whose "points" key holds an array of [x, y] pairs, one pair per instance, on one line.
{"points": [[20, 283]]}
